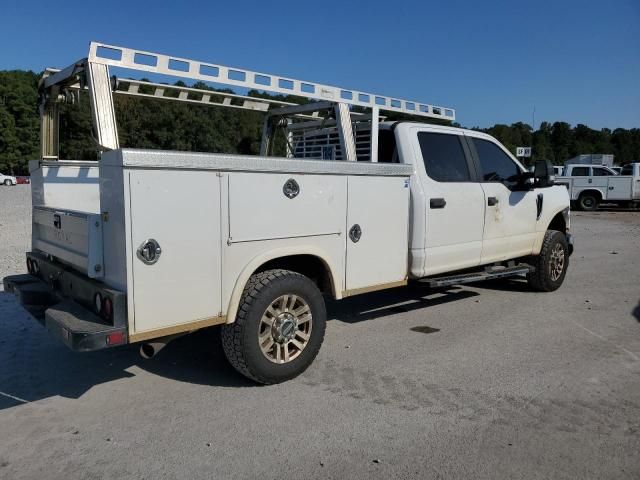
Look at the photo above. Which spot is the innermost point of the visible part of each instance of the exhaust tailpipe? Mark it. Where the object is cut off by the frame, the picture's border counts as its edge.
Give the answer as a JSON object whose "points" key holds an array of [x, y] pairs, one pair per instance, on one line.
{"points": [[150, 349]]}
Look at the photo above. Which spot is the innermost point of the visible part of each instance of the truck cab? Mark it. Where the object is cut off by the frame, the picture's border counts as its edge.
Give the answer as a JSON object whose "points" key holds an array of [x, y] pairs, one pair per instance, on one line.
{"points": [[472, 204]]}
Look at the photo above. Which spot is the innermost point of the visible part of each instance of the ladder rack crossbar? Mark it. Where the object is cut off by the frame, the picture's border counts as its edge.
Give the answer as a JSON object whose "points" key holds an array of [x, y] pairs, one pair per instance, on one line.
{"points": [[128, 58]]}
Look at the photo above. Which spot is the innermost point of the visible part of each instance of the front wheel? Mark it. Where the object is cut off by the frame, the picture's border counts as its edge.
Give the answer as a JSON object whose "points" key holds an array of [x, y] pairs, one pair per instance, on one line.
{"points": [[550, 266], [279, 327], [7, 182]]}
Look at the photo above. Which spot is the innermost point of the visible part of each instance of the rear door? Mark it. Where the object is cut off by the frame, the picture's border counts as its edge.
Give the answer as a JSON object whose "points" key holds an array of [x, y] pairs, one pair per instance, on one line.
{"points": [[602, 181], [454, 201], [511, 214]]}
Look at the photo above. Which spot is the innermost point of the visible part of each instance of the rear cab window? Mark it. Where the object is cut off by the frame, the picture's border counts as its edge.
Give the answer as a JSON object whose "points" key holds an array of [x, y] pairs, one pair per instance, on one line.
{"points": [[444, 157]]}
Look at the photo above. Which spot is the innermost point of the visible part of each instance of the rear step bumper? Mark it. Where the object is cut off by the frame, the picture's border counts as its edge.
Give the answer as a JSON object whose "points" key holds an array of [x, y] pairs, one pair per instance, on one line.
{"points": [[79, 328]]}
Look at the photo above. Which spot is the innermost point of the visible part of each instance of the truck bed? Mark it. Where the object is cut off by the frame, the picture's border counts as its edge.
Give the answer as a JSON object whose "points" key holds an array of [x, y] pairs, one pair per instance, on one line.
{"points": [[219, 217]]}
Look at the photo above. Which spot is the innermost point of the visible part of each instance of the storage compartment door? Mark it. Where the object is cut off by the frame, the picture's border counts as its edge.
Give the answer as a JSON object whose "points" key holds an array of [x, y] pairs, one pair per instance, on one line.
{"points": [[619, 188], [180, 210], [377, 231]]}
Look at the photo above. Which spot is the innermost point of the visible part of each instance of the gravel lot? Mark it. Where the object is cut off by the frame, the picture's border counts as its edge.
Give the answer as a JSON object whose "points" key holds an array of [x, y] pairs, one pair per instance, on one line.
{"points": [[491, 381]]}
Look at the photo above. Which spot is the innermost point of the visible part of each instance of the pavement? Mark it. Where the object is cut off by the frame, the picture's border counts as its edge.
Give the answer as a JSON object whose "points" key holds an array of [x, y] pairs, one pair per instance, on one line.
{"points": [[490, 381]]}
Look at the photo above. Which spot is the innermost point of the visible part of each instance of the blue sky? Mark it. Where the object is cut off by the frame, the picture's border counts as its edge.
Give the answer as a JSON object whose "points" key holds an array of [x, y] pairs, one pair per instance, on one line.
{"points": [[493, 61]]}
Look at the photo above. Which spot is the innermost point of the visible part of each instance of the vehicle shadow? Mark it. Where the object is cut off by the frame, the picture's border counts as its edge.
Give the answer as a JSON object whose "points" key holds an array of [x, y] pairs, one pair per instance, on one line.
{"points": [[35, 366], [636, 312], [505, 285], [389, 302]]}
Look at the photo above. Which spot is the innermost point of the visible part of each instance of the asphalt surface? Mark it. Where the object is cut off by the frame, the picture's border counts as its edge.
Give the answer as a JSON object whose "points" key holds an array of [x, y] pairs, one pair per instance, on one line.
{"points": [[491, 381]]}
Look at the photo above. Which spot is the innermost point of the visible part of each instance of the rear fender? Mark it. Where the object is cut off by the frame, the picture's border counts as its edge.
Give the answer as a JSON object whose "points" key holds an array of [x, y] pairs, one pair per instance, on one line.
{"points": [[256, 262]]}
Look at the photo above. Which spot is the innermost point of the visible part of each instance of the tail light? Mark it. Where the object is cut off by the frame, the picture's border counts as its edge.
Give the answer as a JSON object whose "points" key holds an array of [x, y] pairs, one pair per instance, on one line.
{"points": [[116, 338], [107, 308]]}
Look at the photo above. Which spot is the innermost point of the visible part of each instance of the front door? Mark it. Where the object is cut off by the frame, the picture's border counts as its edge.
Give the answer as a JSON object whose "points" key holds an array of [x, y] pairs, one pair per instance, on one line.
{"points": [[454, 202], [511, 214]]}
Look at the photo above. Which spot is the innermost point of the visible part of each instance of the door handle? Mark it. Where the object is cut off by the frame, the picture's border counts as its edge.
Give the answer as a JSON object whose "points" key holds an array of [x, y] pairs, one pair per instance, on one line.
{"points": [[492, 201], [437, 203]]}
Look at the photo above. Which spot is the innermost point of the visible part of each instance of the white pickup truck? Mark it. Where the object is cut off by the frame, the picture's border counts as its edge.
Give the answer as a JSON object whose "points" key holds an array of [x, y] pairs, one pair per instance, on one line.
{"points": [[144, 245], [591, 185]]}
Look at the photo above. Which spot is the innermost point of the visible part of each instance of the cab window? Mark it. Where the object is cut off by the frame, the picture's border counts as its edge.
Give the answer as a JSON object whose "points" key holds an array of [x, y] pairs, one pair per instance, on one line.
{"points": [[627, 170], [580, 172], [601, 172], [387, 151], [496, 165], [444, 157]]}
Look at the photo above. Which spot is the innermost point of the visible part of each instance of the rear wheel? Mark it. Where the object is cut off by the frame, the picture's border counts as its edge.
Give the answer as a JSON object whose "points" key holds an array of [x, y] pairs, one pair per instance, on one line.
{"points": [[7, 182], [279, 327], [588, 201], [550, 266]]}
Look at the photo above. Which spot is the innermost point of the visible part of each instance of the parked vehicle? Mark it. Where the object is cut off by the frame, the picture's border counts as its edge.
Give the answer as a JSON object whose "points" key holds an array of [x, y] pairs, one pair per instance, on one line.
{"points": [[557, 170], [23, 180], [8, 180], [591, 185], [147, 245], [591, 159]]}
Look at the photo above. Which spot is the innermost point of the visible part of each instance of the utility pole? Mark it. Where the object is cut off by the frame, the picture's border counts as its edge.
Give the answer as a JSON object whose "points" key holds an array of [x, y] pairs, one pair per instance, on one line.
{"points": [[533, 119]]}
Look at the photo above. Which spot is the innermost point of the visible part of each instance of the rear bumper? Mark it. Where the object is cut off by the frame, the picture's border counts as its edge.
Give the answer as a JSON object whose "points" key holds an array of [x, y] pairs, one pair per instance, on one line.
{"points": [[76, 325]]}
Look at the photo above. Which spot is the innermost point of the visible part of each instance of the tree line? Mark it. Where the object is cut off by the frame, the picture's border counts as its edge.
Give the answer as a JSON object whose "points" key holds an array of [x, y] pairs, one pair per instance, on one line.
{"points": [[148, 123]]}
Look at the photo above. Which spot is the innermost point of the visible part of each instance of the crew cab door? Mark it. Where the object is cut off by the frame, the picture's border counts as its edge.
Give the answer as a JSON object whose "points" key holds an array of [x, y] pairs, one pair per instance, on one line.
{"points": [[511, 213], [454, 207]]}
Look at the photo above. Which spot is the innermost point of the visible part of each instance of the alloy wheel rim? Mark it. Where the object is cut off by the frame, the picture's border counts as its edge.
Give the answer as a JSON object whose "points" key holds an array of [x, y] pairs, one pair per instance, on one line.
{"points": [[556, 262], [285, 328]]}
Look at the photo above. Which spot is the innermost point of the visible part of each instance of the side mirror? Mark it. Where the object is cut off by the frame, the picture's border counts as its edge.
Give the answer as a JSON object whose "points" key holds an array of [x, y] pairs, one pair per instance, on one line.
{"points": [[544, 174]]}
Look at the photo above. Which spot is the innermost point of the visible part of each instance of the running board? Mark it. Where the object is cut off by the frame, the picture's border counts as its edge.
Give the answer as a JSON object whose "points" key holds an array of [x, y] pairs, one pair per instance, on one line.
{"points": [[489, 274]]}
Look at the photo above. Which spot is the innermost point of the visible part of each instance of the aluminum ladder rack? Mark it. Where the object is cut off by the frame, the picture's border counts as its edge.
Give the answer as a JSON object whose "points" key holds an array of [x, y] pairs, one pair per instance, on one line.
{"points": [[92, 73]]}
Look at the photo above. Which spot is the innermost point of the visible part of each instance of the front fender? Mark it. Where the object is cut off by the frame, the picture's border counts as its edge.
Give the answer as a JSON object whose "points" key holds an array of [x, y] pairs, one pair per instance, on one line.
{"points": [[555, 202]]}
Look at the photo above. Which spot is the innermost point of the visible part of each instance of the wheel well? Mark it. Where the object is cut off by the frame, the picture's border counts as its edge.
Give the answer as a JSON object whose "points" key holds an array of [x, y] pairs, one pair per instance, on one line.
{"points": [[310, 266], [558, 223], [596, 193]]}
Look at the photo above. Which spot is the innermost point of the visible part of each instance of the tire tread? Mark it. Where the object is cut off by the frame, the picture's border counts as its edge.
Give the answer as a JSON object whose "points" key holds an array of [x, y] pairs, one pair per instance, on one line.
{"points": [[233, 333], [538, 279]]}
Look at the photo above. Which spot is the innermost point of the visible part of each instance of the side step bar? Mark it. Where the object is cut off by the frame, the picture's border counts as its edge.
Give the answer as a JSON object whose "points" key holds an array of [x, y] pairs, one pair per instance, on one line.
{"points": [[488, 274]]}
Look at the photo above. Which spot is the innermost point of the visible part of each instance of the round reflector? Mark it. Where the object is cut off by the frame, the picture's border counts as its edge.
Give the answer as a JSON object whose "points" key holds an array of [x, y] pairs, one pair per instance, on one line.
{"points": [[97, 302]]}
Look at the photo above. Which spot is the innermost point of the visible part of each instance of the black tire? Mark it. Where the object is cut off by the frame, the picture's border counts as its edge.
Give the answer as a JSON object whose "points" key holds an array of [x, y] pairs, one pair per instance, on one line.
{"points": [[543, 279], [240, 339], [8, 183], [588, 201]]}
